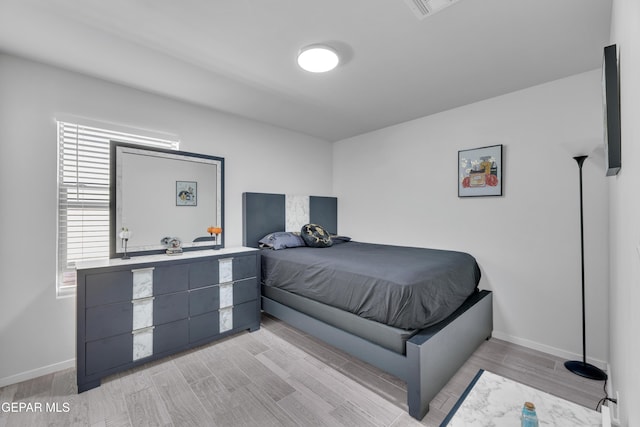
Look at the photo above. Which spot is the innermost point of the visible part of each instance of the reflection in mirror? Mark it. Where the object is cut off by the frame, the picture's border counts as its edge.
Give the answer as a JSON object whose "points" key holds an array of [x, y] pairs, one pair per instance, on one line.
{"points": [[159, 195]]}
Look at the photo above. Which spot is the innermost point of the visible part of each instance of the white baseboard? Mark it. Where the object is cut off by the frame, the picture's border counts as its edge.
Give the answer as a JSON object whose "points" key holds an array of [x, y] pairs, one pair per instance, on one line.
{"points": [[35, 373], [548, 349], [606, 417], [609, 382], [614, 409]]}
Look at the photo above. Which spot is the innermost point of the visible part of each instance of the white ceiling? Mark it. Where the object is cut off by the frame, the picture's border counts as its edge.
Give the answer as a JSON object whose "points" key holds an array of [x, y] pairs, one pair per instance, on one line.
{"points": [[238, 56]]}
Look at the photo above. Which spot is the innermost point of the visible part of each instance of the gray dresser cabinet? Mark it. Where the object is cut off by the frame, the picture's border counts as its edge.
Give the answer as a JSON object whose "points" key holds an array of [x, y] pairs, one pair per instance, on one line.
{"points": [[131, 312]]}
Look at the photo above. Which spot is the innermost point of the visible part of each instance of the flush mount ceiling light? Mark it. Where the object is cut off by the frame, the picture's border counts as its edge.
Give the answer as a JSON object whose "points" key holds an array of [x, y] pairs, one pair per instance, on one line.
{"points": [[318, 58]]}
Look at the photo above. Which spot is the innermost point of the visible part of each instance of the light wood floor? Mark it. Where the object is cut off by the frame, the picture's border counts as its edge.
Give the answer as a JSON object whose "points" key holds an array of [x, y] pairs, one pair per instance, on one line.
{"points": [[276, 376]]}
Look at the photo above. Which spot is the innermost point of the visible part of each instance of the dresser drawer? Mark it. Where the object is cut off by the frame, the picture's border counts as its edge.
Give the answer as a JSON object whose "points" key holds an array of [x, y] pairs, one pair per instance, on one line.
{"points": [[109, 320], [171, 336], [203, 273], [207, 299], [245, 315], [244, 266], [107, 288], [204, 326], [113, 319], [172, 278], [117, 286], [204, 300], [221, 270], [245, 290], [167, 308], [214, 323], [109, 353]]}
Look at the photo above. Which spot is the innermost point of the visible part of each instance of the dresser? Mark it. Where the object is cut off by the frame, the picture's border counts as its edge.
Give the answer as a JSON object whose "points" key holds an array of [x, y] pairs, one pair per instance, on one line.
{"points": [[133, 311]]}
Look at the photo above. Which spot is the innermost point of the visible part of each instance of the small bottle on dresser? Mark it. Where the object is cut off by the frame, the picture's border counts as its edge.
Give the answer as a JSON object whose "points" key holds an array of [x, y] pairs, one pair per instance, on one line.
{"points": [[529, 417]]}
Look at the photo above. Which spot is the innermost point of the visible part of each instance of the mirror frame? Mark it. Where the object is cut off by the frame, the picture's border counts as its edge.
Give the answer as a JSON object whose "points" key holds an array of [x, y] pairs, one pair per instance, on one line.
{"points": [[113, 208]]}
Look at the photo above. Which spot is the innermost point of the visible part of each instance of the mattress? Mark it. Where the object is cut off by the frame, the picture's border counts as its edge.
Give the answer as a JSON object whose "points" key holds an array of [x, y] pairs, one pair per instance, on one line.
{"points": [[403, 287]]}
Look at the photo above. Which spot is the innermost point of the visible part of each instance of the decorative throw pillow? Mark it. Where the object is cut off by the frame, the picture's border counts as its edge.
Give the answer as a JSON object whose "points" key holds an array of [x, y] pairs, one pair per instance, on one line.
{"points": [[281, 240], [316, 236]]}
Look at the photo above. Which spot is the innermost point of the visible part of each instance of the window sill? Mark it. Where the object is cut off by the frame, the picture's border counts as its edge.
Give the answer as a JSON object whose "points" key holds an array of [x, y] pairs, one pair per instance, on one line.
{"points": [[66, 292]]}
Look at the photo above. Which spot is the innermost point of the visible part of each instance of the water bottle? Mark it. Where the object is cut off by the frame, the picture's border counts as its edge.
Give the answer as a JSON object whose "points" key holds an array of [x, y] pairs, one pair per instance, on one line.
{"points": [[529, 417]]}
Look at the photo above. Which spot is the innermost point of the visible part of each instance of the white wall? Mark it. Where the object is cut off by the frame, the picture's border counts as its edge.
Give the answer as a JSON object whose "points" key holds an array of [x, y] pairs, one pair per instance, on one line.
{"points": [[398, 185], [625, 220], [37, 331]]}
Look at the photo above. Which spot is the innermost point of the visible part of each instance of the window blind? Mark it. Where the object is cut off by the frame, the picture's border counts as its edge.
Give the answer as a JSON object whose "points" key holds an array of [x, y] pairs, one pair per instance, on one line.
{"points": [[83, 194]]}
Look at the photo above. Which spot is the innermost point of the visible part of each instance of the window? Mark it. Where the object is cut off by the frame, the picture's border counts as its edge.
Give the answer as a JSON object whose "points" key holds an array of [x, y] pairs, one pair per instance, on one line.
{"points": [[83, 194]]}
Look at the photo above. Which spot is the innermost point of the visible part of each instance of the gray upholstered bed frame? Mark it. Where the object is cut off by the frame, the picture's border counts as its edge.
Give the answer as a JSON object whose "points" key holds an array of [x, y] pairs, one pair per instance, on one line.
{"points": [[432, 356]]}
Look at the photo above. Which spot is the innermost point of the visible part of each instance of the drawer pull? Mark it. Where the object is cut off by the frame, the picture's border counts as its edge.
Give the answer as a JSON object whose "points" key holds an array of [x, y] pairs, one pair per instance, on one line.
{"points": [[142, 300], [143, 330], [142, 270]]}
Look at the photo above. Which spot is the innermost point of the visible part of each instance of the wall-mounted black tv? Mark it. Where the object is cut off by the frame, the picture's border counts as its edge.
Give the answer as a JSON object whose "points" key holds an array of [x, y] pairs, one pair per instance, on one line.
{"points": [[611, 110]]}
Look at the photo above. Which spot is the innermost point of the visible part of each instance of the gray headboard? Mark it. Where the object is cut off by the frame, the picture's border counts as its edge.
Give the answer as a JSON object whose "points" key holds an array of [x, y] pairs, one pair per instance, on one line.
{"points": [[264, 213]]}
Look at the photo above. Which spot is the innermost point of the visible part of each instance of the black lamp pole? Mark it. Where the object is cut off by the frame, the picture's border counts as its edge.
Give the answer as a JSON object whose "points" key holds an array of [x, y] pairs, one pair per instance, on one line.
{"points": [[583, 368]]}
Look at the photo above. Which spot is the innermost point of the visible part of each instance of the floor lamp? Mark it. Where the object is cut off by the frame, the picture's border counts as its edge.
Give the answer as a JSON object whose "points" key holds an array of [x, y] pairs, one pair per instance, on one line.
{"points": [[583, 368]]}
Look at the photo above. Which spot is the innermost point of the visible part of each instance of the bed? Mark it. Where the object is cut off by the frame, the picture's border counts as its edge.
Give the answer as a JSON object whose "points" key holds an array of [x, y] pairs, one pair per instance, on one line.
{"points": [[382, 319]]}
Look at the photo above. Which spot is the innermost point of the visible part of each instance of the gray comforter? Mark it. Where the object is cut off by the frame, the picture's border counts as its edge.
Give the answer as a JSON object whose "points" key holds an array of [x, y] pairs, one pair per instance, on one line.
{"points": [[405, 287]]}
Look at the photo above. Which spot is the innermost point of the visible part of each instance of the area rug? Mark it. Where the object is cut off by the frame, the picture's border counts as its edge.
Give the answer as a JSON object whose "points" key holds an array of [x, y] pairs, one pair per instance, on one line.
{"points": [[492, 400]]}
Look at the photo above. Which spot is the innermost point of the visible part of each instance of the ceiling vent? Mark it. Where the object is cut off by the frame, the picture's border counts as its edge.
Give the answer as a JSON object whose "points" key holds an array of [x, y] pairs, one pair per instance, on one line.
{"points": [[424, 8]]}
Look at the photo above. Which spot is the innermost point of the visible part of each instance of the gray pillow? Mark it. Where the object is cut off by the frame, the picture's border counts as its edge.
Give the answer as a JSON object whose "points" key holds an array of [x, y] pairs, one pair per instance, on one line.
{"points": [[340, 239], [281, 240]]}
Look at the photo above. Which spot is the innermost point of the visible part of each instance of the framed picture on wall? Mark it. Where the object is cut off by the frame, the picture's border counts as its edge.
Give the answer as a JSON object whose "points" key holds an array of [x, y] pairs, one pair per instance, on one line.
{"points": [[186, 193], [480, 172]]}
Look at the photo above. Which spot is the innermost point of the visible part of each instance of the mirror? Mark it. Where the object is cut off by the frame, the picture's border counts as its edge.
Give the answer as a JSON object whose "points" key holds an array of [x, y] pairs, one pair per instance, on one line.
{"points": [[158, 194]]}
